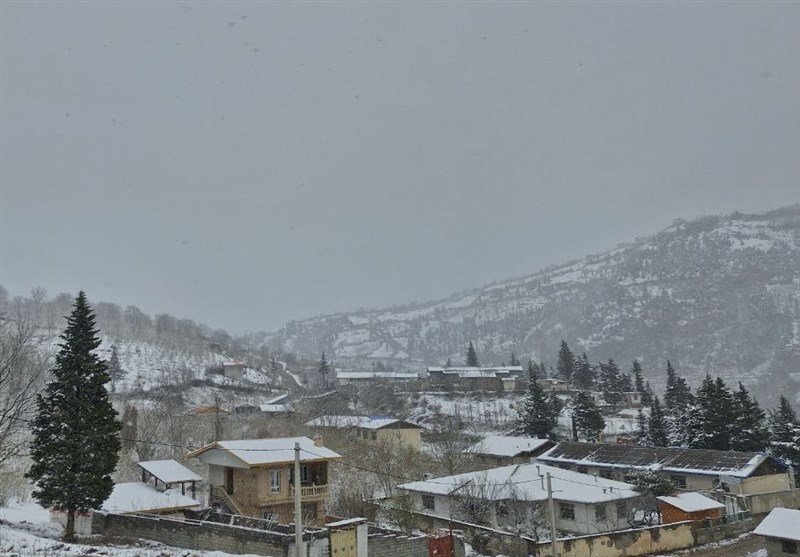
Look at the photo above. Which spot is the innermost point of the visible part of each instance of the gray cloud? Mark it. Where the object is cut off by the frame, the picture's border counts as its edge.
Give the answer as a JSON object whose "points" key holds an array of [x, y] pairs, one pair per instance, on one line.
{"points": [[244, 164]]}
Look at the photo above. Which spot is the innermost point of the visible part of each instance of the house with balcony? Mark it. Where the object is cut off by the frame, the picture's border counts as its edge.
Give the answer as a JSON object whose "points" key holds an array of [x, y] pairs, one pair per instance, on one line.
{"points": [[255, 477]]}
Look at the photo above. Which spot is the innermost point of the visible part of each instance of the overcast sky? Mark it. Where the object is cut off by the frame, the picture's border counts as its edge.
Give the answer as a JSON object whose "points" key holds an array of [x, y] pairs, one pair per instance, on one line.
{"points": [[246, 164]]}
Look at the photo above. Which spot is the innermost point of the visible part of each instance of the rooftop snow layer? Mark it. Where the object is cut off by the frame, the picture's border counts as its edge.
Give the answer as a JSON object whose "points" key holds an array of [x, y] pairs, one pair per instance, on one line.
{"points": [[526, 482], [692, 502], [364, 422], [376, 375], [781, 523], [169, 471], [139, 497], [504, 445], [254, 452]]}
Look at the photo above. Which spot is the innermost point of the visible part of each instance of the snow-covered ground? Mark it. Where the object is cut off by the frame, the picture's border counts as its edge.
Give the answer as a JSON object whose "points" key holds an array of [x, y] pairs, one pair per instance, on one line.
{"points": [[25, 530]]}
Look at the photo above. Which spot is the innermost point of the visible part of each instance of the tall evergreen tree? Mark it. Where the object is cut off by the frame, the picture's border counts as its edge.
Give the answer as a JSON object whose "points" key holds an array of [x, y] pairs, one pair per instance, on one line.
{"points": [[785, 433], [535, 415], [656, 426], [639, 385], [514, 361], [749, 432], [641, 427], [472, 356], [710, 420], [115, 370], [677, 395], [448, 363], [611, 382], [324, 369], [583, 373], [76, 431], [588, 420], [565, 365]]}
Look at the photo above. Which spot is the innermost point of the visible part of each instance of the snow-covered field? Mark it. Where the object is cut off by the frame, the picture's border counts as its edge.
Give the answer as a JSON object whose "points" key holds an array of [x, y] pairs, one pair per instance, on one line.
{"points": [[25, 529]]}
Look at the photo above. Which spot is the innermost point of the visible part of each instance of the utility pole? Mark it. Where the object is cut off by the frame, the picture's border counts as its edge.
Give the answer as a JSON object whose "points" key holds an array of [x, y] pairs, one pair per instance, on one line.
{"points": [[552, 515], [298, 508]]}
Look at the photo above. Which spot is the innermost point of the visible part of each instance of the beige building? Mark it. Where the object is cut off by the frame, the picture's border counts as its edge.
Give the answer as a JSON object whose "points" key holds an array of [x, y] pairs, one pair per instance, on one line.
{"points": [[781, 532], [255, 477], [371, 428], [502, 450]]}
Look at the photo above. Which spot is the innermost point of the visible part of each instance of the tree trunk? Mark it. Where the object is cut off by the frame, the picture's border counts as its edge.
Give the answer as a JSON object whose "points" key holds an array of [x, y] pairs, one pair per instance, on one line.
{"points": [[69, 531]]}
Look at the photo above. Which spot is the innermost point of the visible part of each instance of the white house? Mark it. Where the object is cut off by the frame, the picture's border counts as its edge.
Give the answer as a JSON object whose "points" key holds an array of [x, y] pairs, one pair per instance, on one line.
{"points": [[583, 504], [781, 532]]}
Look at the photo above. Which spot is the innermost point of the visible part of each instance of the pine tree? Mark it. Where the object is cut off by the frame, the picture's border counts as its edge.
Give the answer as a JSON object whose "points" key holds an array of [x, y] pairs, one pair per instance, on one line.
{"points": [[749, 432], [785, 433], [710, 420], [535, 415], [324, 369], [448, 363], [76, 431], [588, 420], [677, 395], [514, 361], [638, 383], [641, 428], [656, 426], [611, 383], [583, 374], [472, 357], [115, 370], [566, 362]]}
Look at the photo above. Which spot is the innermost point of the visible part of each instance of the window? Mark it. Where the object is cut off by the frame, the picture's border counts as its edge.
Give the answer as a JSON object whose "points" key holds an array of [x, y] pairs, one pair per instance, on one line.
{"points": [[428, 502], [789, 547], [303, 474], [567, 511], [582, 470], [600, 512], [679, 481], [374, 436], [274, 481]]}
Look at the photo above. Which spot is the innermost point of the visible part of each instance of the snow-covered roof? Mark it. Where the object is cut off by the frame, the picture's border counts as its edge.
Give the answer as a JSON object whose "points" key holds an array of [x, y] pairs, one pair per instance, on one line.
{"points": [[526, 482], [254, 452], [475, 372], [276, 408], [692, 502], [139, 497], [169, 471], [667, 459], [505, 369], [505, 445], [277, 399], [364, 422], [376, 375], [781, 523]]}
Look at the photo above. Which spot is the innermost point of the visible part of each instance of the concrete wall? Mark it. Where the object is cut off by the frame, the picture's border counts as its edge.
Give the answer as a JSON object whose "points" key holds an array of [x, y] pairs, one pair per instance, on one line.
{"points": [[764, 484], [765, 502], [381, 545], [409, 437]]}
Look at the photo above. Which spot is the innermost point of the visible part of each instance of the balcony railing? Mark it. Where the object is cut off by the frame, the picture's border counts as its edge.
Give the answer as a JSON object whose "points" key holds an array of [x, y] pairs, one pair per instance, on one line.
{"points": [[310, 491]]}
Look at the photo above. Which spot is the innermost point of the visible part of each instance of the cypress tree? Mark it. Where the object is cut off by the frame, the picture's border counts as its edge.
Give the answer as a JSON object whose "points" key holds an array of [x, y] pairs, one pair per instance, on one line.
{"points": [[535, 415], [588, 420], [611, 382], [749, 432], [583, 374], [656, 426], [472, 356], [566, 361], [785, 433], [76, 431], [115, 370], [638, 383], [324, 369]]}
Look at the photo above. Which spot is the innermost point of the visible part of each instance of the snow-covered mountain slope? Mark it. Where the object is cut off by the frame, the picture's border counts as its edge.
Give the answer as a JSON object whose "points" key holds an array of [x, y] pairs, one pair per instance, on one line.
{"points": [[717, 295]]}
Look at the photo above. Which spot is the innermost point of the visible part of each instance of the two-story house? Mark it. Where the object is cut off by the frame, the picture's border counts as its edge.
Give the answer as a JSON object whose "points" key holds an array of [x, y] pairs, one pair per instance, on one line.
{"points": [[255, 477], [374, 428]]}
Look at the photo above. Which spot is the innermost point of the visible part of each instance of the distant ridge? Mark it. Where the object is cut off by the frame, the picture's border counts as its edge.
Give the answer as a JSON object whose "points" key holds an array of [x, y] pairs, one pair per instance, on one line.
{"points": [[716, 294]]}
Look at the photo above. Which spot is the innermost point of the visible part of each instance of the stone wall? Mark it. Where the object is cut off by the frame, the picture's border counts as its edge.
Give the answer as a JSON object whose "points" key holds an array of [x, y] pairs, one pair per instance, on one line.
{"points": [[202, 536]]}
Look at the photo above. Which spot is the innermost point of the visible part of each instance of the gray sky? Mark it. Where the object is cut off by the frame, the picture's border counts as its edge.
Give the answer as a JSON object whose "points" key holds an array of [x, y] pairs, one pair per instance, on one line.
{"points": [[245, 164]]}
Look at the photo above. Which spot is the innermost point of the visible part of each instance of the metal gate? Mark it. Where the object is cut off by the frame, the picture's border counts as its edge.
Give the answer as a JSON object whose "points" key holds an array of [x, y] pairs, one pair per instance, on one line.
{"points": [[343, 543], [440, 544]]}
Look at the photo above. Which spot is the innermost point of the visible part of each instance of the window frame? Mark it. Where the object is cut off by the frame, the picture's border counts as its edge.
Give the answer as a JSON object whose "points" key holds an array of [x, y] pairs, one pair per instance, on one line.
{"points": [[566, 511], [602, 515], [275, 480], [428, 502]]}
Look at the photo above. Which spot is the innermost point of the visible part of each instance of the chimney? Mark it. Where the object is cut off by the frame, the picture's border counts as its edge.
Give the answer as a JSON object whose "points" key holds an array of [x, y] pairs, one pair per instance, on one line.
{"points": [[317, 440]]}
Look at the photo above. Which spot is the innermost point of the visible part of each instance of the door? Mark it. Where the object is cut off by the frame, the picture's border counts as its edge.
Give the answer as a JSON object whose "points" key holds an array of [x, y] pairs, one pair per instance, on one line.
{"points": [[440, 544], [343, 543], [229, 481]]}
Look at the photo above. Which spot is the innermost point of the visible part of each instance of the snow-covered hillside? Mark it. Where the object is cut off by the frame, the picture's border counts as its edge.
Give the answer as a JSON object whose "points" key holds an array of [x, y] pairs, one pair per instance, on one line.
{"points": [[718, 295]]}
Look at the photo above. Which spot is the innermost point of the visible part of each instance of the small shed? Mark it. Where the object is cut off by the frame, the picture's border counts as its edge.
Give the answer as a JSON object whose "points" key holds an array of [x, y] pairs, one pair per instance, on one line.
{"points": [[781, 532], [169, 473], [135, 497], [688, 506]]}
